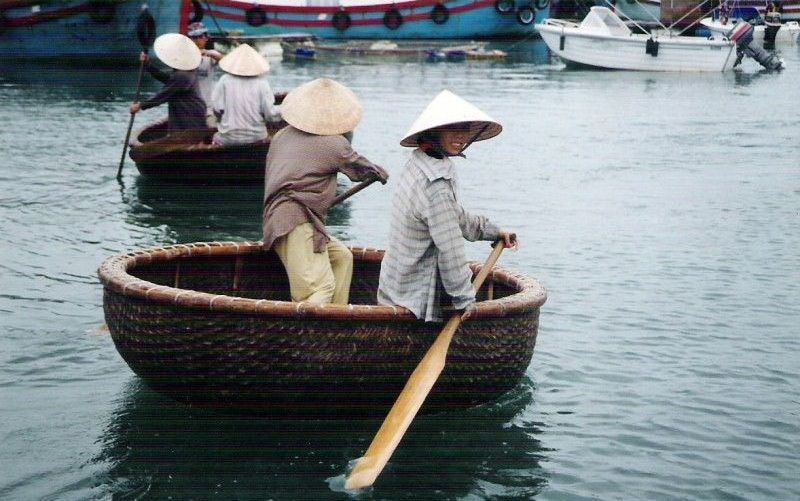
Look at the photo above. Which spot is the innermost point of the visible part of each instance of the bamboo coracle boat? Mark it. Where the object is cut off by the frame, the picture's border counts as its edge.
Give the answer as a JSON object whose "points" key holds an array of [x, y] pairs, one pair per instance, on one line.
{"points": [[210, 324], [189, 156]]}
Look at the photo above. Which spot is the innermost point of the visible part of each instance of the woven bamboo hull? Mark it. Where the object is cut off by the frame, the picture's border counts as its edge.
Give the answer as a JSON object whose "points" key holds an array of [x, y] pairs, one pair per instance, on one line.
{"points": [[263, 356]]}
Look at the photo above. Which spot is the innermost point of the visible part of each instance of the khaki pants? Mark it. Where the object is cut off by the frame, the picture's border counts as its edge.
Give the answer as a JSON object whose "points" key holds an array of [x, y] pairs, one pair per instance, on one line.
{"points": [[315, 277]]}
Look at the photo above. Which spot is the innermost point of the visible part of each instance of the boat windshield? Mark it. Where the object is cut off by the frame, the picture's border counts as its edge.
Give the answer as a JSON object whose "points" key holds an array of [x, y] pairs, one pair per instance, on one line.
{"points": [[603, 20]]}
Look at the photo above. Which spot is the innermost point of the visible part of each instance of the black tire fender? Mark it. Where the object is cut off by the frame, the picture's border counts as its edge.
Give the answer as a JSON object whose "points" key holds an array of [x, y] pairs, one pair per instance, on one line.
{"points": [[440, 14], [526, 15], [255, 16], [504, 6], [341, 20], [392, 19]]}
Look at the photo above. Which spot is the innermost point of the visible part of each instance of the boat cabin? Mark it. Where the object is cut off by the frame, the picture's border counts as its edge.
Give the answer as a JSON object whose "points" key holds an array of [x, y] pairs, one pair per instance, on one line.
{"points": [[602, 20]]}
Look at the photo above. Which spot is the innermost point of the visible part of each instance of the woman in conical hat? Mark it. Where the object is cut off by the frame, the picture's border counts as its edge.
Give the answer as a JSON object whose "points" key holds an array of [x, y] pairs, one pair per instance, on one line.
{"points": [[300, 184], [426, 253], [187, 110], [242, 99]]}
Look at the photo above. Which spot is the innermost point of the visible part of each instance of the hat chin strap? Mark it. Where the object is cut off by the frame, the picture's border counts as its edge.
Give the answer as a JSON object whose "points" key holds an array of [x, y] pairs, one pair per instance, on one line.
{"points": [[461, 154]]}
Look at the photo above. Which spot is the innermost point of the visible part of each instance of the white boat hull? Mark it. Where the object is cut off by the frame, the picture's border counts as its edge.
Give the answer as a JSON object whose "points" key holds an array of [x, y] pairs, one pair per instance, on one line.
{"points": [[629, 52], [787, 35]]}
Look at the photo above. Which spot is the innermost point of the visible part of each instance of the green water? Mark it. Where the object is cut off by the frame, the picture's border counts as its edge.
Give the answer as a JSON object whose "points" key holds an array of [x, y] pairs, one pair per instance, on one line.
{"points": [[662, 212]]}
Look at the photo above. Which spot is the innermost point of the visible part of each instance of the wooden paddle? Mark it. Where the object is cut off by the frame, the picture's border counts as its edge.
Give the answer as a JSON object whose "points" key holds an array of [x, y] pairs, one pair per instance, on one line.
{"points": [[146, 32], [352, 191], [413, 395]]}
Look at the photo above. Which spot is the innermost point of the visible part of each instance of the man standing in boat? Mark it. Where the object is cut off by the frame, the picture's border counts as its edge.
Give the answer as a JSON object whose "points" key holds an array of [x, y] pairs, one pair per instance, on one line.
{"points": [[300, 185], [425, 254], [187, 110], [206, 70]]}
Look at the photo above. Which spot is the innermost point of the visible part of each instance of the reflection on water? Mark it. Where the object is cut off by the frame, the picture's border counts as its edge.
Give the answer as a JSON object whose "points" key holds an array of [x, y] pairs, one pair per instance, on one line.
{"points": [[156, 446], [660, 210], [531, 51], [52, 81], [197, 212]]}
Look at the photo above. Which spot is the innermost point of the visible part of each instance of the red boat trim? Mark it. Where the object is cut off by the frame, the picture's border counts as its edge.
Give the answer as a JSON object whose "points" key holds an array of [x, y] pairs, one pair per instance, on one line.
{"points": [[379, 9], [44, 17]]}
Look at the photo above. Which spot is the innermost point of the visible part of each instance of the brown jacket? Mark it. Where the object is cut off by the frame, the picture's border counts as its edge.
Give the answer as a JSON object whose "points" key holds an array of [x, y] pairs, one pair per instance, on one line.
{"points": [[300, 181]]}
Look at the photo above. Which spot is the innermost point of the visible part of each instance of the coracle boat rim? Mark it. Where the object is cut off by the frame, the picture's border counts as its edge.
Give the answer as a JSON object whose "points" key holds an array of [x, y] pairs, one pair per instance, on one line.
{"points": [[113, 274]]}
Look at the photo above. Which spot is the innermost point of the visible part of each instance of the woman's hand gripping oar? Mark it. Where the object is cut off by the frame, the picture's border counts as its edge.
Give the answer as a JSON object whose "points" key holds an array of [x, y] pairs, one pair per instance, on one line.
{"points": [[414, 393], [146, 32]]}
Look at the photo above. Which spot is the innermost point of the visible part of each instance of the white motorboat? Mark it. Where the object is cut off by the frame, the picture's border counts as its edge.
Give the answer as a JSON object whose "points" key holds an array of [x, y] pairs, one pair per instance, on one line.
{"points": [[785, 35], [603, 40]]}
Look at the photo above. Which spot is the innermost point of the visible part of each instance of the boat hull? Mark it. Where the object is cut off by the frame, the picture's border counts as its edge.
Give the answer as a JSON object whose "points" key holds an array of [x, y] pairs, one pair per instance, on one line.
{"points": [[79, 29], [630, 53], [231, 344], [190, 156], [415, 19]]}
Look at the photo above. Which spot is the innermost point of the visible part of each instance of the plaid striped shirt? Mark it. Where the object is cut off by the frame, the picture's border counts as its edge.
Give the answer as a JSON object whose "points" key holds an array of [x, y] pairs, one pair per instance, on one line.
{"points": [[426, 240]]}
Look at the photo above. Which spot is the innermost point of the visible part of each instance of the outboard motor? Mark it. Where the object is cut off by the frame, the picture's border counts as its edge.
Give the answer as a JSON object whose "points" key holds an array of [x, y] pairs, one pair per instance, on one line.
{"points": [[742, 36]]}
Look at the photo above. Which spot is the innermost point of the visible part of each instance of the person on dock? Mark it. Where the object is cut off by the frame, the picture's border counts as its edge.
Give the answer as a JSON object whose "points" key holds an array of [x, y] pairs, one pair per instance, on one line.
{"points": [[206, 71], [187, 110], [242, 99], [425, 254], [300, 185]]}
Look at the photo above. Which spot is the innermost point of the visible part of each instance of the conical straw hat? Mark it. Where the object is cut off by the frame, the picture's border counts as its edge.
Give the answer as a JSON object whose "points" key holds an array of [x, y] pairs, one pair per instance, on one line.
{"points": [[322, 106], [177, 51], [448, 109], [244, 61]]}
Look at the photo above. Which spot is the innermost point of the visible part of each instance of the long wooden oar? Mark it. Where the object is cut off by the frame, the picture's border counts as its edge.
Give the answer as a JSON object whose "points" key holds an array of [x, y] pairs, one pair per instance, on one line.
{"points": [[352, 191], [146, 32], [413, 395]]}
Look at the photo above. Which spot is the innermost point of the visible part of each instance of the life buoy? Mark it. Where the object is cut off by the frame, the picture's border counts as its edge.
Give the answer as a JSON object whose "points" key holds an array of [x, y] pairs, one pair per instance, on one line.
{"points": [[392, 19], [541, 4], [197, 12], [526, 15], [102, 12], [341, 20], [504, 6], [440, 14], [255, 16]]}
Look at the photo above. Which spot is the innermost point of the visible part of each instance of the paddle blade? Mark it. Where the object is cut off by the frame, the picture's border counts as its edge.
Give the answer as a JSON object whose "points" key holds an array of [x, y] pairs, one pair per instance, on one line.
{"points": [[403, 411], [146, 29], [414, 393]]}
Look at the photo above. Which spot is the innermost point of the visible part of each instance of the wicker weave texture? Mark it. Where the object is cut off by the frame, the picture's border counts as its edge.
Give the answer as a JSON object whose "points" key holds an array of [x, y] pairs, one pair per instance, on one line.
{"points": [[311, 367], [207, 324]]}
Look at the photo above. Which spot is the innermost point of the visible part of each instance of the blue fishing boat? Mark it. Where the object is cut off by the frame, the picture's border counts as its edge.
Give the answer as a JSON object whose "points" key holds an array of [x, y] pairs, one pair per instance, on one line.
{"points": [[375, 19], [80, 29]]}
